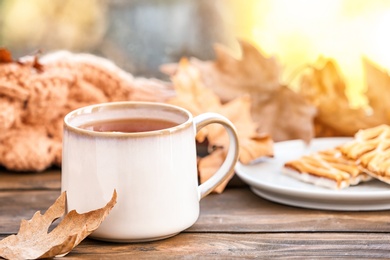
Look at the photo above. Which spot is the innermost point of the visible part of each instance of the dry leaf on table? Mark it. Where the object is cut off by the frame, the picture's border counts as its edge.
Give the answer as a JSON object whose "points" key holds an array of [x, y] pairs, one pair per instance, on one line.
{"points": [[276, 109], [33, 240], [194, 96], [323, 86]]}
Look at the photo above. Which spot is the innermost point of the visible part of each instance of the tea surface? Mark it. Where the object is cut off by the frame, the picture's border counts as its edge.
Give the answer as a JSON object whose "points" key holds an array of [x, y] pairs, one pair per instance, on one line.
{"points": [[131, 125]]}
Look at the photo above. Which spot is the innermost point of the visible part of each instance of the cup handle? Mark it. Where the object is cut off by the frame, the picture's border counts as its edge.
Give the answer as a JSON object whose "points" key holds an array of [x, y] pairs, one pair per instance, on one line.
{"points": [[232, 155]]}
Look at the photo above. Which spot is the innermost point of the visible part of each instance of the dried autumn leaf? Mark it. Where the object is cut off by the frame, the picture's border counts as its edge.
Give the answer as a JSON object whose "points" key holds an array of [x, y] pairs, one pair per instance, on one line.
{"points": [[323, 86], [286, 115], [34, 242], [36, 64], [5, 56], [275, 109], [229, 77], [208, 165], [252, 144], [194, 96], [378, 91]]}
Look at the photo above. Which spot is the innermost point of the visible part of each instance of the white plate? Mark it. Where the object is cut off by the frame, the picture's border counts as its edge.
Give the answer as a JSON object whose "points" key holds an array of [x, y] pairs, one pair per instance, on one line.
{"points": [[265, 179]]}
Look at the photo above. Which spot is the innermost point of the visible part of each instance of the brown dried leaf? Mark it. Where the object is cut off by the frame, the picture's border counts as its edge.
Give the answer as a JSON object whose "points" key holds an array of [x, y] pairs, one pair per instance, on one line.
{"points": [[34, 242], [285, 115], [209, 164], [33, 61], [36, 64], [378, 91], [323, 86], [275, 109], [252, 144], [194, 96], [229, 77], [5, 56]]}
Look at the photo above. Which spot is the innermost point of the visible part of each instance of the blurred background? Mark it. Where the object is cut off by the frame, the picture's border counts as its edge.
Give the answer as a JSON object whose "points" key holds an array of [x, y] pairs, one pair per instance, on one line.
{"points": [[141, 35]]}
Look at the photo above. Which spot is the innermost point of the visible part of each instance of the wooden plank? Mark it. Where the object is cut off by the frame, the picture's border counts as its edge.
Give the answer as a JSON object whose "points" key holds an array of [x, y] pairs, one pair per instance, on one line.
{"points": [[50, 179], [228, 246], [236, 210], [240, 210], [15, 206]]}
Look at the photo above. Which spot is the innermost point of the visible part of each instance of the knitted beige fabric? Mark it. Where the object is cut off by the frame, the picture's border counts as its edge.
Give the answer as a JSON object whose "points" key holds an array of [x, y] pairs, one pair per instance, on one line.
{"points": [[35, 95]]}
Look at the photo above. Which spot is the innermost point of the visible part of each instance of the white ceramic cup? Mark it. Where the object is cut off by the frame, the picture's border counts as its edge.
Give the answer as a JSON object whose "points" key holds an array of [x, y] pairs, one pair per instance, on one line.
{"points": [[153, 172]]}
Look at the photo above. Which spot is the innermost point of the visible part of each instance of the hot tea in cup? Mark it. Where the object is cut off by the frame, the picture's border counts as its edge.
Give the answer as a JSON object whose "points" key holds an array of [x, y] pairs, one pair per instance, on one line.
{"points": [[147, 153], [131, 125]]}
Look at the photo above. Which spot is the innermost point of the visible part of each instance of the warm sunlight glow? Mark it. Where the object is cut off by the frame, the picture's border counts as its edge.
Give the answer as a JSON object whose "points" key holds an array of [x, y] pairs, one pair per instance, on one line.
{"points": [[300, 31]]}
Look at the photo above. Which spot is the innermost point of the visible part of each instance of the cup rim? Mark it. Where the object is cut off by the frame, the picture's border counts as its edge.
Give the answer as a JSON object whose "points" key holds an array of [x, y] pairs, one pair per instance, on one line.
{"points": [[116, 104]]}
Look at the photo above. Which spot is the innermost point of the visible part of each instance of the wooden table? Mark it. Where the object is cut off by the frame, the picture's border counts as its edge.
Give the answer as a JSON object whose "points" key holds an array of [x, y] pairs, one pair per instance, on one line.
{"points": [[236, 223]]}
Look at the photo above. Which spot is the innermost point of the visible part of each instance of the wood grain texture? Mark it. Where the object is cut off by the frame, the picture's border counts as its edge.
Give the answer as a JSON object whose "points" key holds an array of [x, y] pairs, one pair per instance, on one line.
{"points": [[228, 246], [280, 245], [239, 210], [234, 224], [235, 210], [15, 206], [50, 179]]}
